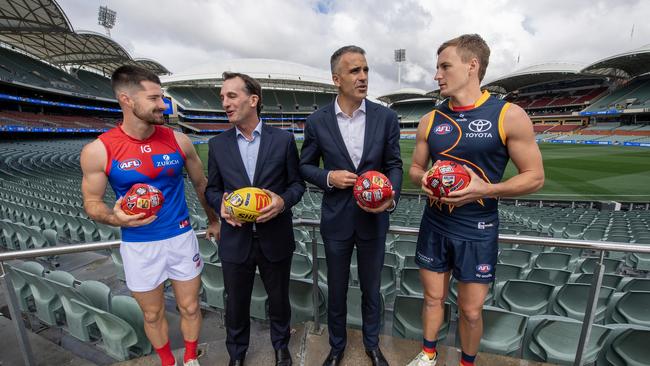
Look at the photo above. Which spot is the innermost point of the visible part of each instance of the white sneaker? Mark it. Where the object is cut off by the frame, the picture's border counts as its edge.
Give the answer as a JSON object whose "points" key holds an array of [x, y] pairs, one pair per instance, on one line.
{"points": [[192, 362], [423, 360]]}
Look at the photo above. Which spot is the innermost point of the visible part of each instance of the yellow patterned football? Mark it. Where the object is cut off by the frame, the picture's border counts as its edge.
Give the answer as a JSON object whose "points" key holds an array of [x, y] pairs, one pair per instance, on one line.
{"points": [[245, 203]]}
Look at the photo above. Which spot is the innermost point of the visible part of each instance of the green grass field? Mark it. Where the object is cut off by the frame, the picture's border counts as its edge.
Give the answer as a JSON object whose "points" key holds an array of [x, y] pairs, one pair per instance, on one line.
{"points": [[573, 172]]}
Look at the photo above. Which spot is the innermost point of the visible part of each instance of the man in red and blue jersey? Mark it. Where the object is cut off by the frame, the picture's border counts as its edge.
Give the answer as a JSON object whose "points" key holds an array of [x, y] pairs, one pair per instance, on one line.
{"points": [[459, 232], [160, 247]]}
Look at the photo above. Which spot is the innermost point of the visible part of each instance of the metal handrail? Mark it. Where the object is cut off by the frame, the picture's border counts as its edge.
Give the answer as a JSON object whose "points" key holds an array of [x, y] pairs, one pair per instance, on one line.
{"points": [[601, 246], [512, 239]]}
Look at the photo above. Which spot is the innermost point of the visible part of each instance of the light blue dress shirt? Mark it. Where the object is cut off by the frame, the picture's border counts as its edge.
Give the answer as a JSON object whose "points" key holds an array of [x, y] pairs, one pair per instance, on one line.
{"points": [[249, 149]]}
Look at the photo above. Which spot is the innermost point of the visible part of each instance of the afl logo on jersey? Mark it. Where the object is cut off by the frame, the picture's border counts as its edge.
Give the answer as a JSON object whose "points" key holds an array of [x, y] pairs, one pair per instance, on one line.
{"points": [[129, 164], [443, 129], [479, 128]]}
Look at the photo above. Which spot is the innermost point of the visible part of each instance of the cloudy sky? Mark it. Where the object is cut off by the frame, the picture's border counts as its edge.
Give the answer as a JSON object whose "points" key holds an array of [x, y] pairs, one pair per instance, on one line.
{"points": [[182, 34]]}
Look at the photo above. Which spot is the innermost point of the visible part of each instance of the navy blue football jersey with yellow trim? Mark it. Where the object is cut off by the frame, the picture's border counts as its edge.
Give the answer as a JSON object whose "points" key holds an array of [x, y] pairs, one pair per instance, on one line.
{"points": [[472, 136]]}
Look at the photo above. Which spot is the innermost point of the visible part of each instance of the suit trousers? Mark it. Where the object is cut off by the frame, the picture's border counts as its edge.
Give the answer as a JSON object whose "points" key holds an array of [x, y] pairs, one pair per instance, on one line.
{"points": [[370, 259], [238, 279]]}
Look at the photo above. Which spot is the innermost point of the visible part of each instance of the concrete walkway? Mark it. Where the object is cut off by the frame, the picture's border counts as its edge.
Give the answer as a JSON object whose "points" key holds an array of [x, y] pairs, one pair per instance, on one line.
{"points": [[310, 349]]}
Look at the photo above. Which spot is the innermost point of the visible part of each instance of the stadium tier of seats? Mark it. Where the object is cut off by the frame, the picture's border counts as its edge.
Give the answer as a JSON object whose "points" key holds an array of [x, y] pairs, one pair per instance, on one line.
{"points": [[19, 69], [578, 97], [413, 111], [636, 94], [273, 101], [26, 119]]}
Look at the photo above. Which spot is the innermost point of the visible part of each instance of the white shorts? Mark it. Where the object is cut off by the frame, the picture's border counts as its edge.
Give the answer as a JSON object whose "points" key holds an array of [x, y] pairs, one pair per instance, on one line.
{"points": [[148, 264]]}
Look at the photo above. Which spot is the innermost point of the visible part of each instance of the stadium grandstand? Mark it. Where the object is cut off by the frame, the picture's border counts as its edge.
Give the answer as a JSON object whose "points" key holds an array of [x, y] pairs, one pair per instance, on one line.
{"points": [[54, 79], [606, 102], [410, 105], [55, 96], [290, 92]]}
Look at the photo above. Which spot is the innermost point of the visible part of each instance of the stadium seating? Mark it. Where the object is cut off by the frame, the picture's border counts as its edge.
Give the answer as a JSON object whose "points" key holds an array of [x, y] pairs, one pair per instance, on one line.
{"points": [[554, 339], [23, 69], [629, 308], [571, 301], [407, 318], [637, 91], [503, 331], [117, 335], [525, 297], [554, 277], [301, 299], [213, 285], [49, 309], [627, 345]]}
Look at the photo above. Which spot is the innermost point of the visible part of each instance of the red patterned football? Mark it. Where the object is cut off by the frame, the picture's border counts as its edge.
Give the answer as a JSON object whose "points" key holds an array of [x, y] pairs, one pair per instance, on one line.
{"points": [[446, 176], [372, 188], [142, 198]]}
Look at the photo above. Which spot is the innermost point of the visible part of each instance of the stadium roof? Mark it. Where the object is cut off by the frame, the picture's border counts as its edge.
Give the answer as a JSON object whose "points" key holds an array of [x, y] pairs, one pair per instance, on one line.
{"points": [[537, 74], [403, 94], [41, 29], [627, 64], [270, 73]]}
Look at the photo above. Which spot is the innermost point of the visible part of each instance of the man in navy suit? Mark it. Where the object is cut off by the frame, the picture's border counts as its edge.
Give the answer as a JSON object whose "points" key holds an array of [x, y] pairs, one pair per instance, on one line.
{"points": [[352, 135], [254, 154]]}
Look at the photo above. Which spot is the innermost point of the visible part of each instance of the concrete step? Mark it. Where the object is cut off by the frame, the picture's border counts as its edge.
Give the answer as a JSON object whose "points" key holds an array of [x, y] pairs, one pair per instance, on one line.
{"points": [[45, 352]]}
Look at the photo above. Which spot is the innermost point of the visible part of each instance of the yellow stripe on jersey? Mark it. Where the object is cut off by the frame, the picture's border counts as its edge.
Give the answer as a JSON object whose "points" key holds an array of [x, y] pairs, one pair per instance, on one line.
{"points": [[502, 117], [433, 115], [484, 97]]}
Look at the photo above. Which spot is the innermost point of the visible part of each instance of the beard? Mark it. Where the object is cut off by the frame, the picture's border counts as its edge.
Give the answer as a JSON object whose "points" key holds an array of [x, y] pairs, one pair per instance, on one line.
{"points": [[150, 117]]}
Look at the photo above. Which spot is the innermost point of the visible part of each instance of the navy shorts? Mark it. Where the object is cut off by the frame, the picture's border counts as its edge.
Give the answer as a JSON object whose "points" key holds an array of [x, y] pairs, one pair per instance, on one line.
{"points": [[469, 261]]}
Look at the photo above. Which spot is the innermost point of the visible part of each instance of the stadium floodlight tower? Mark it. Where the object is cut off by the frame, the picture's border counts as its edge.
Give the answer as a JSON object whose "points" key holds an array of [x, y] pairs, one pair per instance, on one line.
{"points": [[106, 18], [400, 56]]}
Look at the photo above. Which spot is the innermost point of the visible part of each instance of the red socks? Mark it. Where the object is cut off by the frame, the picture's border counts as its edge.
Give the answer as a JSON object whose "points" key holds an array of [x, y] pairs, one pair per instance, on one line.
{"points": [[166, 356], [190, 350], [467, 360]]}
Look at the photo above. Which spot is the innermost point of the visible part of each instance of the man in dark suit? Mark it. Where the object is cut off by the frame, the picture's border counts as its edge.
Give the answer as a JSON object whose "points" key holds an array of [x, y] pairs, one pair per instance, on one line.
{"points": [[254, 154], [352, 135]]}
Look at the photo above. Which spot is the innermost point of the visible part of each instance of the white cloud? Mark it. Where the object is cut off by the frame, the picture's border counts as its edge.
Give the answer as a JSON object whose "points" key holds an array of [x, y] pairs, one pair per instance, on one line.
{"points": [[181, 34]]}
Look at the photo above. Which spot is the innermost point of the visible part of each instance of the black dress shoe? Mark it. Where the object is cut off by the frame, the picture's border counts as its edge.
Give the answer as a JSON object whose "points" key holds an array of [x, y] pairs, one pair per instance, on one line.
{"points": [[333, 359], [377, 357], [236, 362], [283, 357]]}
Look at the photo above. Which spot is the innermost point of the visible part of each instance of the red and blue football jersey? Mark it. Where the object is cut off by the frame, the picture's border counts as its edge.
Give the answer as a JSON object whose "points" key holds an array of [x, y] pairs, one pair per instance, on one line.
{"points": [[158, 161]]}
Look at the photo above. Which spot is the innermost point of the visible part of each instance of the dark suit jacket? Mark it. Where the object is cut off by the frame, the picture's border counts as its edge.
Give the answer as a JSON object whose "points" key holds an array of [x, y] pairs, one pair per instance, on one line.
{"points": [[276, 170], [340, 215]]}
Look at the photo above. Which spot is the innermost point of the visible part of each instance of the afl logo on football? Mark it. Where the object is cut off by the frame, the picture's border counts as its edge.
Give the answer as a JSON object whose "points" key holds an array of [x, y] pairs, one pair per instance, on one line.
{"points": [[129, 164], [235, 200], [483, 268], [443, 129]]}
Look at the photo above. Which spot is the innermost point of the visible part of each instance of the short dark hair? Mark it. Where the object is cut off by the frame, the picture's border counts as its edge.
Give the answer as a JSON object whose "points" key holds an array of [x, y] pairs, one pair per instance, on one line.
{"points": [[468, 46], [251, 86], [336, 56], [128, 76]]}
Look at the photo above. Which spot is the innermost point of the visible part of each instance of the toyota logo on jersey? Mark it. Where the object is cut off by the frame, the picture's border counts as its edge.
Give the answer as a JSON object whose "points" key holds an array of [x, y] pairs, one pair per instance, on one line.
{"points": [[480, 125], [479, 128]]}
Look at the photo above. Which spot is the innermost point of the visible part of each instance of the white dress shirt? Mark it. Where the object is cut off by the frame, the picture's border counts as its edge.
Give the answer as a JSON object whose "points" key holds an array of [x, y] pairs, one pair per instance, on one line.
{"points": [[352, 129]]}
